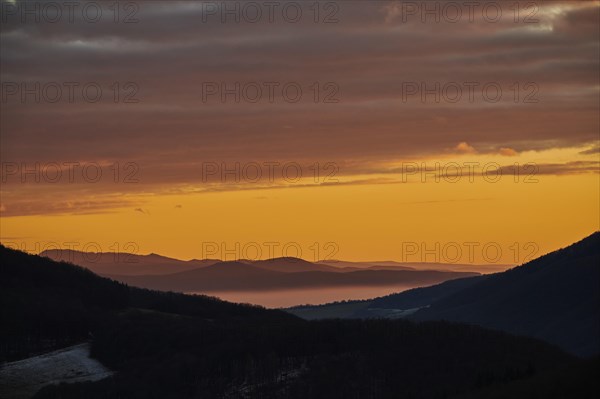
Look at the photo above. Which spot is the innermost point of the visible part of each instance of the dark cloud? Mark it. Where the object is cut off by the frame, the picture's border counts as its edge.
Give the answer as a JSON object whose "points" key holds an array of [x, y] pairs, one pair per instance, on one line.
{"points": [[370, 55]]}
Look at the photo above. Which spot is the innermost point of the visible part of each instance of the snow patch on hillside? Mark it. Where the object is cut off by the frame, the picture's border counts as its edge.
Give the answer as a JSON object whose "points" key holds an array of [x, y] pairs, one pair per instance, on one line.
{"points": [[23, 378]]}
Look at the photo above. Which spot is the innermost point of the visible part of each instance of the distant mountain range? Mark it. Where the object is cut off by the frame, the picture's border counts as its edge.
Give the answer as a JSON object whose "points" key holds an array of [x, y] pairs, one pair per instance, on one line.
{"points": [[126, 264], [555, 297], [210, 275], [393, 265]]}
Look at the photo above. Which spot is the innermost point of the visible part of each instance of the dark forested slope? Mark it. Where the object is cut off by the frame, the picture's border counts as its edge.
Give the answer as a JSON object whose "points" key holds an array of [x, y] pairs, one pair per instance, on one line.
{"points": [[555, 297], [165, 345]]}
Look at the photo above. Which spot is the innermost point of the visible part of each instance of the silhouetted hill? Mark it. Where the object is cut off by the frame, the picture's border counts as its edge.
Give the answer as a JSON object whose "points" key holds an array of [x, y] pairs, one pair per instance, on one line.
{"points": [[168, 274], [393, 265], [390, 306], [292, 265], [555, 297], [47, 304], [121, 263], [424, 296], [341, 264], [237, 276], [165, 345]]}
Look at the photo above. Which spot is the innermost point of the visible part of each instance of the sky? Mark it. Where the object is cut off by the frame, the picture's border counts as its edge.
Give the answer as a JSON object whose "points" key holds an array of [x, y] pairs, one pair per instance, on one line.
{"points": [[358, 130]]}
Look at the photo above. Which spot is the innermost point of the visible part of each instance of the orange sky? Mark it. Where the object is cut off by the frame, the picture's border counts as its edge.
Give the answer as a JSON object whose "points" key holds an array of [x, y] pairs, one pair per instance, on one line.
{"points": [[382, 219], [159, 190]]}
